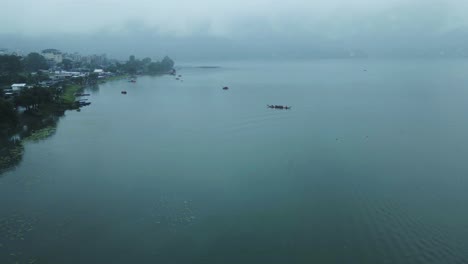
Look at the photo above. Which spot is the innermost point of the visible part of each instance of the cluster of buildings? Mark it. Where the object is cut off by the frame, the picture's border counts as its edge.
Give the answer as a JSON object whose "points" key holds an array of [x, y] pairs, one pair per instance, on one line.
{"points": [[58, 75], [80, 64], [54, 57], [55, 78], [82, 67]]}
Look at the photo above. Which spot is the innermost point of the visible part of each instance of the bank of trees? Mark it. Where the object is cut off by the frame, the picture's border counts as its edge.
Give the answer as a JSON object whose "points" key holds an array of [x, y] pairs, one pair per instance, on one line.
{"points": [[15, 69], [8, 115], [34, 62], [10, 69], [33, 98], [29, 69], [144, 66]]}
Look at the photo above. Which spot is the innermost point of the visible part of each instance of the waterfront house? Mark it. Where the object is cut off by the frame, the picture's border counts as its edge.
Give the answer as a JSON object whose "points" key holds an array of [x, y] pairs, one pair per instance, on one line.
{"points": [[18, 86]]}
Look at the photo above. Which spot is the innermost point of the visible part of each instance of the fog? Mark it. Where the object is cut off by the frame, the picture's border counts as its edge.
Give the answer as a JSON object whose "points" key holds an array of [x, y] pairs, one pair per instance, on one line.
{"points": [[209, 29]]}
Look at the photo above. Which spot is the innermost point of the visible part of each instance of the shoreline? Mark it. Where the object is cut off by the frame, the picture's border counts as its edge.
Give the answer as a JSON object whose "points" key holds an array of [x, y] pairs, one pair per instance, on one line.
{"points": [[40, 125]]}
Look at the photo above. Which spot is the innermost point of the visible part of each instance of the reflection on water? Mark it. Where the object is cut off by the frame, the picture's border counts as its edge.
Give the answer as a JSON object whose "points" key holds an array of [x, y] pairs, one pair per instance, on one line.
{"points": [[93, 88], [365, 168], [30, 129]]}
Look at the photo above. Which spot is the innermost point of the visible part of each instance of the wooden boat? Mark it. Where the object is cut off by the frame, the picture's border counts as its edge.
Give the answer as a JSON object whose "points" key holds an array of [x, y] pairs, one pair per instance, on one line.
{"points": [[279, 107]]}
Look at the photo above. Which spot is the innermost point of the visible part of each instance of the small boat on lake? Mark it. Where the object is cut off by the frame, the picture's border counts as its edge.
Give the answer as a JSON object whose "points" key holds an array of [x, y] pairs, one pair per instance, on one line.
{"points": [[80, 103], [124, 92], [132, 81], [225, 88], [279, 107]]}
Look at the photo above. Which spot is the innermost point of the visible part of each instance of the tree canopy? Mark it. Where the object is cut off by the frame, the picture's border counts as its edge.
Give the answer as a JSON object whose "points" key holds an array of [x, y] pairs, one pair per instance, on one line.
{"points": [[67, 64], [34, 97], [8, 114], [34, 62], [10, 64]]}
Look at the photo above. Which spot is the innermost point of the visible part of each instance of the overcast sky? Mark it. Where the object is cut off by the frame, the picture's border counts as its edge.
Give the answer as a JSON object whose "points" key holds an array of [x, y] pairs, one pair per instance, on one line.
{"points": [[370, 25]]}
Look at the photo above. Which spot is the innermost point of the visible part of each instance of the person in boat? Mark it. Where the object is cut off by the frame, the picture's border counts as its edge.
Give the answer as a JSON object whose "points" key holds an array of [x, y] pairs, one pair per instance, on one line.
{"points": [[278, 107]]}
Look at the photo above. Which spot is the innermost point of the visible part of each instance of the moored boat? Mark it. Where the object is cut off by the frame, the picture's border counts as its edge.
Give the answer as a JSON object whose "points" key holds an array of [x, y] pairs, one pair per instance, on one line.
{"points": [[279, 107]]}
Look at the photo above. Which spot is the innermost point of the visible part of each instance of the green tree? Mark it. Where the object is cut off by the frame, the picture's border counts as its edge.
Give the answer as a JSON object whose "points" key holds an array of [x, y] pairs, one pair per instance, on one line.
{"points": [[154, 68], [8, 114], [93, 77], [34, 62], [167, 64], [37, 78], [67, 64], [10, 64], [33, 98], [146, 61]]}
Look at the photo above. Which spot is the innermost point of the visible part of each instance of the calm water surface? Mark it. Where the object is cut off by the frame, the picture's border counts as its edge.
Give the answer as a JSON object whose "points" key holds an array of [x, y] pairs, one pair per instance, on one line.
{"points": [[368, 167]]}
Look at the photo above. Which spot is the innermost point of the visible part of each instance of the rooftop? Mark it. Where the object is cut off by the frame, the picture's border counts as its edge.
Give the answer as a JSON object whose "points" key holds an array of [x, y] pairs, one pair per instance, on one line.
{"points": [[18, 85]]}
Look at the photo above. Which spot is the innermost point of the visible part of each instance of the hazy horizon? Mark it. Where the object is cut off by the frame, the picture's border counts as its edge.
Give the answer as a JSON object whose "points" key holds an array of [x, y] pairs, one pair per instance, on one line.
{"points": [[239, 29]]}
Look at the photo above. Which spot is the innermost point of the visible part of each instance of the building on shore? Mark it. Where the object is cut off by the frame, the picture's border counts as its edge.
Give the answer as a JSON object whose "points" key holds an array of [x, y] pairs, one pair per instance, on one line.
{"points": [[75, 57], [53, 55], [18, 87]]}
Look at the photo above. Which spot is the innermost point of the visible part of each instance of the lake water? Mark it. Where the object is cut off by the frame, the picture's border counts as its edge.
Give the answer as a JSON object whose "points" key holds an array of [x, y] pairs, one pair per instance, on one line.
{"points": [[367, 167]]}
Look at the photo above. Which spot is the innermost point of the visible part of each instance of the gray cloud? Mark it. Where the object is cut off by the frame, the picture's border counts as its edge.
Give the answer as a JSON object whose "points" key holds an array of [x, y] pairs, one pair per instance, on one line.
{"points": [[254, 27]]}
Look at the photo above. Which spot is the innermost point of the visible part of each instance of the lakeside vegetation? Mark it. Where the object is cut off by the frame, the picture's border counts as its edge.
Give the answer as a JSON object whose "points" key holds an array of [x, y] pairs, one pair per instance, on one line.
{"points": [[60, 96], [32, 113], [68, 95]]}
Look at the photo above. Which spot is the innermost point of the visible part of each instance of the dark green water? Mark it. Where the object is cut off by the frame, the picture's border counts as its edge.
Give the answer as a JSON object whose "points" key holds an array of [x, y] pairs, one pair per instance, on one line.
{"points": [[368, 167]]}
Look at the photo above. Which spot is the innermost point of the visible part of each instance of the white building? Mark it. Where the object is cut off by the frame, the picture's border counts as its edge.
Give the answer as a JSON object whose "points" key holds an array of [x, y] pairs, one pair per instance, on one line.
{"points": [[18, 86], [66, 74], [53, 55]]}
